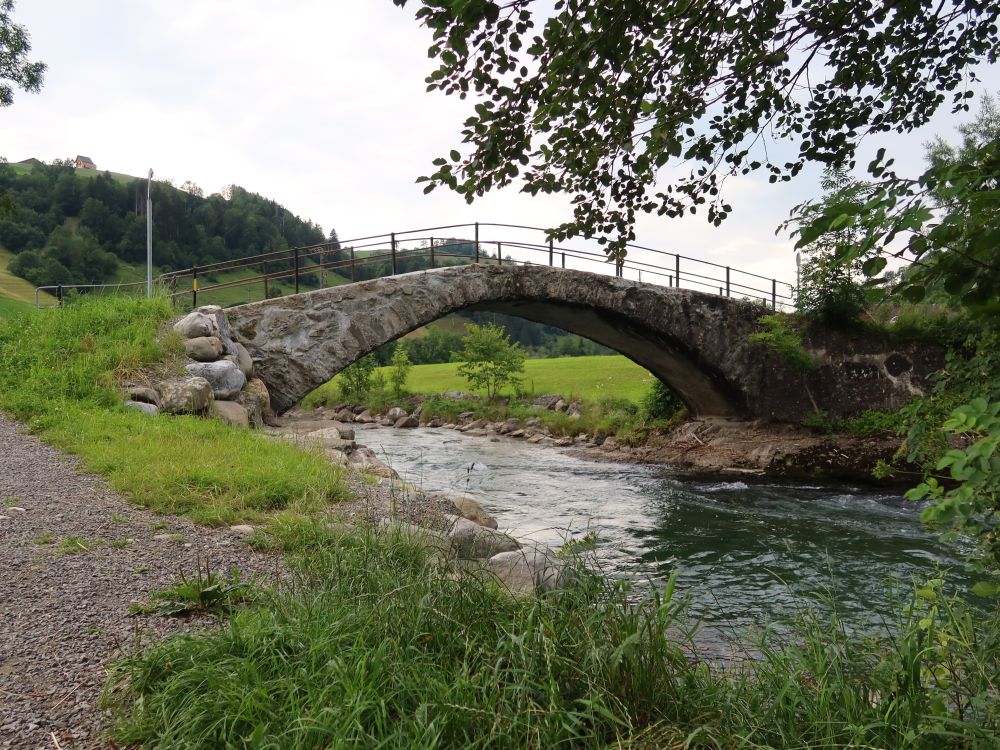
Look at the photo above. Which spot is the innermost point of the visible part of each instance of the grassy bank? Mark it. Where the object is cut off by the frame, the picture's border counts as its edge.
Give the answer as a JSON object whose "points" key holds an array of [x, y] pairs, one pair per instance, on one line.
{"points": [[377, 645], [58, 370]]}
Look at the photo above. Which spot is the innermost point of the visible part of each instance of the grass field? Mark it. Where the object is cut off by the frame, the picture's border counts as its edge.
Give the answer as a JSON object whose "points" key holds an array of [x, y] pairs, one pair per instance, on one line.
{"points": [[16, 294], [592, 378]]}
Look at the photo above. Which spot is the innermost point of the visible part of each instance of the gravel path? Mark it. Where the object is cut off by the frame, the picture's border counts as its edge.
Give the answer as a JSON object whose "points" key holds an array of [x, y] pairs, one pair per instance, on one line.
{"points": [[73, 556]]}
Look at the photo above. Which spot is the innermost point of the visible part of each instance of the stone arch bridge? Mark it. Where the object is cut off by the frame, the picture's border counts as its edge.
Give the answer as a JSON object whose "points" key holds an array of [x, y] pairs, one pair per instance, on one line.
{"points": [[696, 343]]}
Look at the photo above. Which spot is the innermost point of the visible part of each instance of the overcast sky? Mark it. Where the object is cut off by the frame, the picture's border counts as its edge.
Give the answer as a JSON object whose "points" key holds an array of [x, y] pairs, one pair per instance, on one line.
{"points": [[320, 106]]}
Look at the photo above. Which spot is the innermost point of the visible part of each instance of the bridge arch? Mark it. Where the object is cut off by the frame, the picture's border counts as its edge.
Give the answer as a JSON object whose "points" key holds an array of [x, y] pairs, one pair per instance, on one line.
{"points": [[688, 340]]}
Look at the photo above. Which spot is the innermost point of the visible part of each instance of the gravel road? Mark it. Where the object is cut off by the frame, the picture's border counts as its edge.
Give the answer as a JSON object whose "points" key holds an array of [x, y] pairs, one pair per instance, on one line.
{"points": [[73, 556]]}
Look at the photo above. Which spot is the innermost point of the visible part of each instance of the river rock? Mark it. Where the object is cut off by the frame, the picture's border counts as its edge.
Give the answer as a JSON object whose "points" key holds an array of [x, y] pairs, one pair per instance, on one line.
{"points": [[142, 406], [610, 443], [396, 413], [225, 331], [364, 459], [532, 422], [470, 540], [255, 387], [434, 422], [196, 325], [230, 413], [573, 410], [471, 510], [525, 570], [142, 393], [511, 425], [547, 401], [346, 433], [184, 395], [407, 422], [337, 457], [560, 405], [226, 378], [476, 425], [344, 415], [364, 417], [243, 360], [465, 416], [203, 348]]}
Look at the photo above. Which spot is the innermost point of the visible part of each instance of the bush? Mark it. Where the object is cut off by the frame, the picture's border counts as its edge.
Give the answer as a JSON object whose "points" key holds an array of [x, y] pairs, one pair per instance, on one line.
{"points": [[660, 402], [781, 338]]}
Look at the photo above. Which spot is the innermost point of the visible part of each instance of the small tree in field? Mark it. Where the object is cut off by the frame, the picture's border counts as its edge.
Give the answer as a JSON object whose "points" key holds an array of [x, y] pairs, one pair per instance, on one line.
{"points": [[399, 369], [489, 359], [356, 380]]}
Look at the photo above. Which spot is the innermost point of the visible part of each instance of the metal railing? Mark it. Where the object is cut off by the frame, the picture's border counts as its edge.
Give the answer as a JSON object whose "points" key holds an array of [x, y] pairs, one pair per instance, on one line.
{"points": [[374, 256], [61, 291], [266, 275]]}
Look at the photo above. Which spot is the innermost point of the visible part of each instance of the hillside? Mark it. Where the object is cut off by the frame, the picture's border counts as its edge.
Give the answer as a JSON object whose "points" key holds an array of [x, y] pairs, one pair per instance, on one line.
{"points": [[65, 225]]}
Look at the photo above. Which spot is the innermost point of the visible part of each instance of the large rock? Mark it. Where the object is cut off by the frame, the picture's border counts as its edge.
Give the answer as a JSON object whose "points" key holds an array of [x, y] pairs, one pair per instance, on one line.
{"points": [[225, 331], [364, 459], [243, 360], [184, 395], [255, 387], [470, 540], [226, 378], [471, 510], [203, 348], [525, 570], [511, 425], [255, 411], [231, 413], [142, 406], [548, 401], [196, 325], [142, 393], [406, 422], [395, 413]]}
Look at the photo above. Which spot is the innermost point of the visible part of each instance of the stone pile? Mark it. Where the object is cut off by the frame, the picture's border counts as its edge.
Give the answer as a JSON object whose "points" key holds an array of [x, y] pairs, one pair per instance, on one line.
{"points": [[220, 380]]}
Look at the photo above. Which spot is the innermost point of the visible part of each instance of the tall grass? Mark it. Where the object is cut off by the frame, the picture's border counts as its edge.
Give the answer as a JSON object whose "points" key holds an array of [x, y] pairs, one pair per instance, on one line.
{"points": [[58, 372], [377, 645]]}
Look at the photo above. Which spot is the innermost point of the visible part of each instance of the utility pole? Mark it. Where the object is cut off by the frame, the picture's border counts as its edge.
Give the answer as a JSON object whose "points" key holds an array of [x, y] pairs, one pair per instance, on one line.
{"points": [[149, 235]]}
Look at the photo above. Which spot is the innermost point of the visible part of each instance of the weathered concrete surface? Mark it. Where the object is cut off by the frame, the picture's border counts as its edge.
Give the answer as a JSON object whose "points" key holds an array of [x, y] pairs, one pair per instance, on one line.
{"points": [[696, 343]]}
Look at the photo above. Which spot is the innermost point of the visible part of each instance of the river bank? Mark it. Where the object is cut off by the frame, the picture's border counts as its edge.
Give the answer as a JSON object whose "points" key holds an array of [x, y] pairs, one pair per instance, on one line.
{"points": [[693, 446]]}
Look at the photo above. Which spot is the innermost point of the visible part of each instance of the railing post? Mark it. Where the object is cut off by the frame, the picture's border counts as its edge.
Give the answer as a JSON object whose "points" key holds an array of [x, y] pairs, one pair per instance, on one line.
{"points": [[677, 270], [393, 241], [432, 252], [352, 264], [194, 287], [499, 254], [59, 294], [564, 260], [551, 261], [296, 270], [774, 294], [267, 292], [727, 281], [477, 242]]}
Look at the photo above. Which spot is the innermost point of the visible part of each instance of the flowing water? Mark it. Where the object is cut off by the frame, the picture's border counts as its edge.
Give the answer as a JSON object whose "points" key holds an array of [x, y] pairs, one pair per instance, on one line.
{"points": [[746, 552]]}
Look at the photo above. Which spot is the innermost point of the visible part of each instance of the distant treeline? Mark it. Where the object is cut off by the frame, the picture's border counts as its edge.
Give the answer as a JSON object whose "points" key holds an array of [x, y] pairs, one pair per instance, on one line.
{"points": [[69, 226]]}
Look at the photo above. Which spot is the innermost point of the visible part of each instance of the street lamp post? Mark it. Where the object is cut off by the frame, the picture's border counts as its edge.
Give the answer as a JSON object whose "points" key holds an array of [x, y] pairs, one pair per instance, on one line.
{"points": [[149, 236]]}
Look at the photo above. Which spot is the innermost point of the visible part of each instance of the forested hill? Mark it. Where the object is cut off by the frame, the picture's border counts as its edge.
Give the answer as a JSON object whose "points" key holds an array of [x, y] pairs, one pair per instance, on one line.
{"points": [[68, 225]]}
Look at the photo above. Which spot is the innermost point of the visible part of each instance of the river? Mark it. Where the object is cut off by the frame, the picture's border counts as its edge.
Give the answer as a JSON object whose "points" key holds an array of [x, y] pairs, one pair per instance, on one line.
{"points": [[747, 552]]}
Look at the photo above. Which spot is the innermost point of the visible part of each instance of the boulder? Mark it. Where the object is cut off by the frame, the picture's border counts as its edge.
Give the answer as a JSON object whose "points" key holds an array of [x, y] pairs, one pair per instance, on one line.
{"points": [[573, 410], [465, 416], [511, 425], [225, 331], [418, 411], [364, 417], [251, 401], [195, 325], [337, 457], [142, 406], [364, 459], [346, 433], [142, 393], [203, 348], [256, 387], [471, 510], [230, 413], [479, 424], [525, 570], [434, 422], [470, 540], [532, 422], [184, 395], [396, 413], [560, 405], [344, 415], [406, 422], [548, 401], [226, 378], [244, 361]]}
